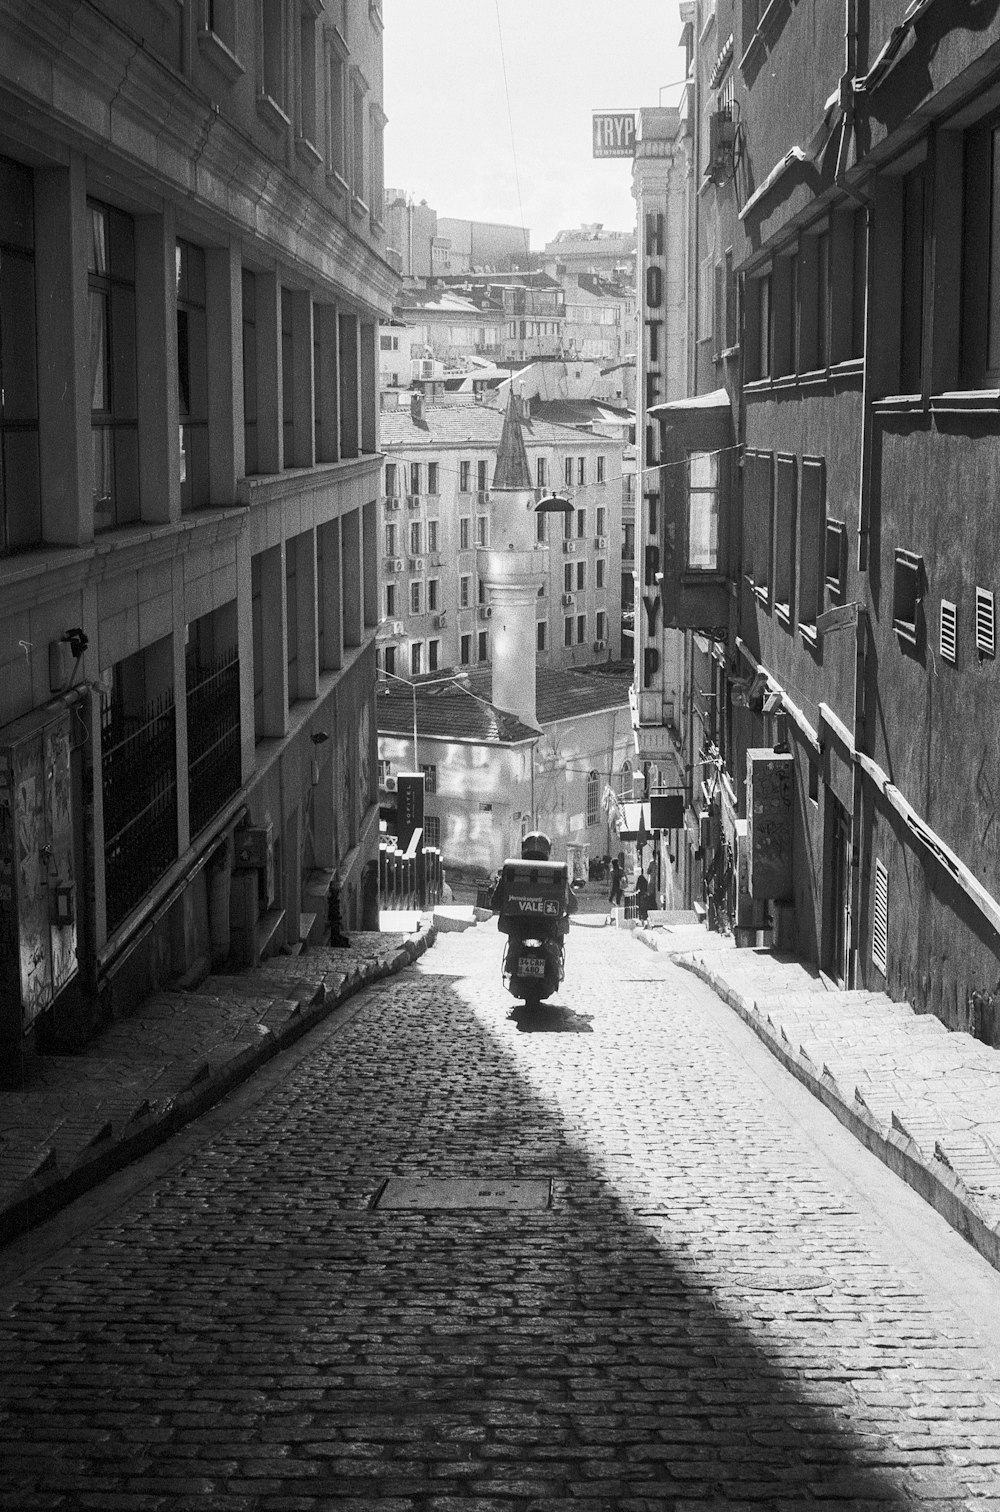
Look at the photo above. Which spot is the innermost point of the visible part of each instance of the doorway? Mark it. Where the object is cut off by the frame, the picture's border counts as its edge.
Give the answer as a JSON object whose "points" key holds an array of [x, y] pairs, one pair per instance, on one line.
{"points": [[837, 888]]}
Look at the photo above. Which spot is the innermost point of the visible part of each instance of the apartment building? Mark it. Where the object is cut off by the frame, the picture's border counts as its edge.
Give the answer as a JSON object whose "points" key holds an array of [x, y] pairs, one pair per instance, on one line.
{"points": [[840, 345], [440, 461], [193, 275]]}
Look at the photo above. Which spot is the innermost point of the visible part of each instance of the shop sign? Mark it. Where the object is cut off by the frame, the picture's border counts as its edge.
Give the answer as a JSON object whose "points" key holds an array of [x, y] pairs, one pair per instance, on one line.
{"points": [[652, 298], [769, 823], [614, 134], [409, 807]]}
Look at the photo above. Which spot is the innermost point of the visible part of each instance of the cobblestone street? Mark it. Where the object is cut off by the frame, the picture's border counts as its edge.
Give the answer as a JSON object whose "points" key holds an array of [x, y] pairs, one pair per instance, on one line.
{"points": [[726, 1303]]}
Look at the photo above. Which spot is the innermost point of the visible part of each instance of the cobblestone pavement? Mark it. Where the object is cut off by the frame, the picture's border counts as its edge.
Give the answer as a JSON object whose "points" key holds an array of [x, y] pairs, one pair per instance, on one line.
{"points": [[718, 1308]]}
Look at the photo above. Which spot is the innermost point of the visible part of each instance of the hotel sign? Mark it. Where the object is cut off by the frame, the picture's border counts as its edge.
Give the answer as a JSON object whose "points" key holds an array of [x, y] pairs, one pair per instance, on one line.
{"points": [[614, 134]]}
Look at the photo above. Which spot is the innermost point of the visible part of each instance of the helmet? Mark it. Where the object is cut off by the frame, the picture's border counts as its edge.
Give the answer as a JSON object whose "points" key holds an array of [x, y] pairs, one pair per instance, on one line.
{"points": [[536, 846]]}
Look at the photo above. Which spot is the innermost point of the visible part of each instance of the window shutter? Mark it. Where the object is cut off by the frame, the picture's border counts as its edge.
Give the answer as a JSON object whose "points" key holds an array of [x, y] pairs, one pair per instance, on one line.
{"points": [[949, 631], [986, 638], [880, 918]]}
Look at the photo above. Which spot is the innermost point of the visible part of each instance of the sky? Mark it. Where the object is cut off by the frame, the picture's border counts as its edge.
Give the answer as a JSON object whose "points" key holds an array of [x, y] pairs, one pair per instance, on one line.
{"points": [[448, 138]]}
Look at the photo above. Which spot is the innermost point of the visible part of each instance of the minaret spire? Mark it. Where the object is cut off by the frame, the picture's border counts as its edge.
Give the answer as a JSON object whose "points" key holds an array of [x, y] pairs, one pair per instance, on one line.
{"points": [[512, 470]]}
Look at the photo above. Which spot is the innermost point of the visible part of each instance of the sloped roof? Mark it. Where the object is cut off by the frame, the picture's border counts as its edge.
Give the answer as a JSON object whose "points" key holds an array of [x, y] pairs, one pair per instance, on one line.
{"points": [[446, 712], [512, 473], [562, 693], [455, 424], [577, 412]]}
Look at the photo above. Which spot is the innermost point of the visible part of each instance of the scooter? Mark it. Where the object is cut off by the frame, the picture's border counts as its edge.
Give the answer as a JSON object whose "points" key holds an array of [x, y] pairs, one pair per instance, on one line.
{"points": [[533, 905], [533, 966]]}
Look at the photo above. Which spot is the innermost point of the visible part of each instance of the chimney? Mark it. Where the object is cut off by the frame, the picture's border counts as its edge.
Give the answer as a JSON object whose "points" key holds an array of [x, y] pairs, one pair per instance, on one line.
{"points": [[416, 406]]}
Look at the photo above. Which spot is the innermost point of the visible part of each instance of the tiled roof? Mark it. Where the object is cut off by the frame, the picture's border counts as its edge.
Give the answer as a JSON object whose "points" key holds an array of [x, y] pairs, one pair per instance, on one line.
{"points": [[447, 713], [577, 412], [452, 424], [562, 693]]}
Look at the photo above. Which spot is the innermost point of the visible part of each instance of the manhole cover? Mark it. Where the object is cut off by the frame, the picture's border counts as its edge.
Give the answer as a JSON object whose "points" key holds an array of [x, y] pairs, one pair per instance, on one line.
{"points": [[442, 1192]]}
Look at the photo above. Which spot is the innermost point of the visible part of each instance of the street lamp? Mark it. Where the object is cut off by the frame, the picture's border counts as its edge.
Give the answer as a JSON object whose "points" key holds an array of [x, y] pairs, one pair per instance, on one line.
{"points": [[430, 682]]}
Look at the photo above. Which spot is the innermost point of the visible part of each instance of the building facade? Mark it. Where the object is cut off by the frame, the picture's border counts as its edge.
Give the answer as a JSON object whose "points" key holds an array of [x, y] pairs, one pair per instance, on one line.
{"points": [[435, 516], [193, 276], [840, 325]]}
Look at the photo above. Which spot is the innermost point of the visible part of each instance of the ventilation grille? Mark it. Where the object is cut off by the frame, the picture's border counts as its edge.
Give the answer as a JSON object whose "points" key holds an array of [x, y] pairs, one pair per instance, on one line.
{"points": [[986, 630], [949, 631], [880, 918]]}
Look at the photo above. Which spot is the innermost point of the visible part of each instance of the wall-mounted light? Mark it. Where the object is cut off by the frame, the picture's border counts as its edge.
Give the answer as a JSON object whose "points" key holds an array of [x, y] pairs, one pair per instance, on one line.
{"points": [[318, 737]]}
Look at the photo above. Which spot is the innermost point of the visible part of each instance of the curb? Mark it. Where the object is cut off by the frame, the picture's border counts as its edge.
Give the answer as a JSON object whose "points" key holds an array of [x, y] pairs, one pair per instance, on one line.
{"points": [[51, 1189], [934, 1180]]}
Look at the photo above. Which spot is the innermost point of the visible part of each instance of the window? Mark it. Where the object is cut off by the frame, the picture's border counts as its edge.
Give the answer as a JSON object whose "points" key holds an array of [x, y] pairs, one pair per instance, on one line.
{"points": [[20, 498], [359, 89], [836, 559], [581, 470], [390, 601], [762, 310], [390, 539], [567, 520], [433, 655], [732, 314], [601, 520], [986, 640], [568, 472], [465, 650], [568, 631], [337, 131], [911, 291], [593, 797], [540, 635], [581, 576], [430, 777], [251, 463], [464, 533], [822, 312], [432, 831], [273, 59], [540, 527], [981, 249], [432, 535], [568, 577], [414, 479], [784, 536], [484, 646], [376, 162], [384, 772], [859, 280], [432, 477], [480, 591], [625, 780], [581, 524], [391, 481], [581, 629], [757, 525], [880, 919], [703, 512], [464, 477], [192, 375], [481, 530], [482, 478], [111, 282], [306, 122], [949, 631], [389, 659], [415, 537], [601, 566], [600, 473], [415, 596], [220, 22], [540, 473], [602, 625], [416, 650], [907, 595], [812, 543], [464, 591], [433, 594]]}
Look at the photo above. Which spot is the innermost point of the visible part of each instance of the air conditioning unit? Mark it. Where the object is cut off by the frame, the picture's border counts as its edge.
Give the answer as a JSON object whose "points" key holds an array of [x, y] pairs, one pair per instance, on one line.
{"points": [[441, 620], [414, 564], [601, 543], [485, 611], [397, 565], [413, 501], [721, 145], [436, 559], [390, 784], [391, 502], [569, 547], [482, 499], [568, 598], [599, 645]]}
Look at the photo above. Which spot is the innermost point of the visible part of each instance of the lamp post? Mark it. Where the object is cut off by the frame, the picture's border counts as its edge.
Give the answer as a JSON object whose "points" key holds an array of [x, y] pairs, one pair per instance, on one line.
{"points": [[430, 682]]}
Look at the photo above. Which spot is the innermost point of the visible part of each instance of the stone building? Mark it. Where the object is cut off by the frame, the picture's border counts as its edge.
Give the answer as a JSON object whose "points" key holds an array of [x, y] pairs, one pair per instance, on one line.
{"points": [[193, 274]]}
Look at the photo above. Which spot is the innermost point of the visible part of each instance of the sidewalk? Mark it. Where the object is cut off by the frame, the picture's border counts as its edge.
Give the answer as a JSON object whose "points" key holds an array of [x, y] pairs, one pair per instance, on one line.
{"points": [[77, 1118], [922, 1098]]}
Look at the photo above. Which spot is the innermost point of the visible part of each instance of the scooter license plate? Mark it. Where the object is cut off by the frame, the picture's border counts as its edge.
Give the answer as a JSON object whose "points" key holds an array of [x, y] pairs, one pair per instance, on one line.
{"points": [[530, 966]]}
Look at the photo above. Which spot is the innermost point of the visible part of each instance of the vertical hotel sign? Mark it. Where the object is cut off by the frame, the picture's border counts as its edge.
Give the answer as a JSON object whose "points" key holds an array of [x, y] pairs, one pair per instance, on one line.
{"points": [[652, 209], [614, 134]]}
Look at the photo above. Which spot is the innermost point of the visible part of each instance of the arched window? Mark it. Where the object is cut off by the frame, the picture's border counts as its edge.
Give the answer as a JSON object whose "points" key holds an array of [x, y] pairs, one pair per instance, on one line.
{"points": [[625, 780], [593, 797]]}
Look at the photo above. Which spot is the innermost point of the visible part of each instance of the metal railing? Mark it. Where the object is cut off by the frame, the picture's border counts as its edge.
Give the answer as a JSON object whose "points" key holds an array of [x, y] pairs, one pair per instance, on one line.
{"points": [[213, 732], [139, 783]]}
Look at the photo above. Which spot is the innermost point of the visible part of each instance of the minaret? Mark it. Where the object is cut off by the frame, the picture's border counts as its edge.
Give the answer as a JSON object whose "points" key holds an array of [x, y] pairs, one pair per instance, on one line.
{"points": [[512, 570]]}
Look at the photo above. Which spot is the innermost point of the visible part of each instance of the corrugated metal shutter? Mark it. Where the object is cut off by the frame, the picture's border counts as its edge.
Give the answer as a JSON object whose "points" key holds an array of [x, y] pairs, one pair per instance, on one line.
{"points": [[880, 918], [949, 631], [986, 638]]}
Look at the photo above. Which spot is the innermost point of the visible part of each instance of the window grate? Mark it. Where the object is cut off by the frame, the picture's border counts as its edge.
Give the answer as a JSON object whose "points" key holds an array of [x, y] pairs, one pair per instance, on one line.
{"points": [[986, 637], [949, 631], [880, 919]]}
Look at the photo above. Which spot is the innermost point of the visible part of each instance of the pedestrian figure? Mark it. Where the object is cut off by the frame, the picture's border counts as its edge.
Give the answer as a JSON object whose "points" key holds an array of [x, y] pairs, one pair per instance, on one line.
{"points": [[617, 882], [642, 896]]}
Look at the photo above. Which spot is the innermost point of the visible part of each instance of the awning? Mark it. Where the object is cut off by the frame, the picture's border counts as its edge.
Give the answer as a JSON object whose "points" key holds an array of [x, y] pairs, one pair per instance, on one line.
{"points": [[718, 399]]}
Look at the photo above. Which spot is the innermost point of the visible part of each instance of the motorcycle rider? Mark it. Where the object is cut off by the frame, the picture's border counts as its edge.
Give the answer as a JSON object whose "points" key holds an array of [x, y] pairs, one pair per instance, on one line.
{"points": [[536, 846]]}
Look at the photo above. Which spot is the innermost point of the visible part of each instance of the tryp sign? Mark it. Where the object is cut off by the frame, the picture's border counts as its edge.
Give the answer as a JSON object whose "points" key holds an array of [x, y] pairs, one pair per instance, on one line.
{"points": [[614, 134]]}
